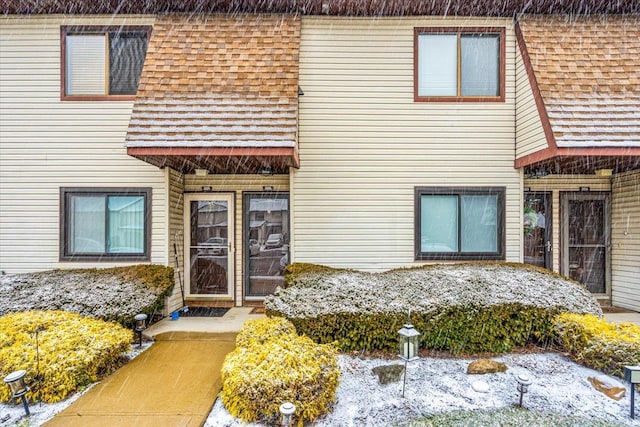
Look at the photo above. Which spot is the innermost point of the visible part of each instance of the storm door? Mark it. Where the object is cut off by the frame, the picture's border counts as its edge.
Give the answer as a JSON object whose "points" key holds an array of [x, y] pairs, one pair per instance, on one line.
{"points": [[537, 246], [209, 245], [266, 242], [585, 239]]}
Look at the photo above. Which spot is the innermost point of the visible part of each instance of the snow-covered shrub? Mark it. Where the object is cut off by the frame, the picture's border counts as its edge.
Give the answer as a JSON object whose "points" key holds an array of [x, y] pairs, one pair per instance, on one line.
{"points": [[598, 344], [469, 308], [259, 375], [109, 294], [72, 351]]}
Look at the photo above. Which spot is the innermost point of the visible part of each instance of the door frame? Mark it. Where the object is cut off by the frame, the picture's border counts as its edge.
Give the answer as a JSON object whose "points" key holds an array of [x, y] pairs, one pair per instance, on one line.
{"points": [[565, 197], [229, 197]]}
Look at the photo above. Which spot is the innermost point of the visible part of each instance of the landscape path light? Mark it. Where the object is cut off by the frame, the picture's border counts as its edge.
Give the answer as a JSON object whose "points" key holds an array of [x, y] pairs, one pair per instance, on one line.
{"points": [[141, 325], [287, 409], [18, 387], [523, 385], [408, 345], [632, 375]]}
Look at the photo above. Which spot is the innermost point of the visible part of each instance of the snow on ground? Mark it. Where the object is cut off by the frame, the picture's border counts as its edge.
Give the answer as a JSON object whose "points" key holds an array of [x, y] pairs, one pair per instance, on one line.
{"points": [[13, 414], [442, 385]]}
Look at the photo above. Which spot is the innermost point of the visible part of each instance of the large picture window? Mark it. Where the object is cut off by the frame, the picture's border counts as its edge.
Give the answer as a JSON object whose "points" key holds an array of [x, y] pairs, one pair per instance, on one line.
{"points": [[105, 224], [459, 223], [454, 64], [102, 63]]}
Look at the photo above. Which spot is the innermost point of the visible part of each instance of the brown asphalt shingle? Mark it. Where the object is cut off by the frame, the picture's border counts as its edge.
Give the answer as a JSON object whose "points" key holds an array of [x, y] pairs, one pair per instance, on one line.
{"points": [[219, 81], [588, 73]]}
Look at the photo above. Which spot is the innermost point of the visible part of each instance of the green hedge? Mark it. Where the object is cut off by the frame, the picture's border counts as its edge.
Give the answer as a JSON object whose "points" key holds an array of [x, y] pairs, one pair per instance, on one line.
{"points": [[463, 308]]}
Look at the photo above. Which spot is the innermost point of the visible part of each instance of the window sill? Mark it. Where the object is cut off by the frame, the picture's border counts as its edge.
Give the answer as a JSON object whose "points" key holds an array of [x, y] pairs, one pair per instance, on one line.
{"points": [[104, 258], [459, 257], [85, 98], [459, 99]]}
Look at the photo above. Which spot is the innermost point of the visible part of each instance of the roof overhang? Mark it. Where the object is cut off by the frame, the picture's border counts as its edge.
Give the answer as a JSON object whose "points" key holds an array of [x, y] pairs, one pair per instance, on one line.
{"points": [[580, 161], [506, 8], [221, 160]]}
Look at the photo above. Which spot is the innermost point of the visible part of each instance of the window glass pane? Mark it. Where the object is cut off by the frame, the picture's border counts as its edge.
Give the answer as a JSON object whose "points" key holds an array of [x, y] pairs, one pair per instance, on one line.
{"points": [[126, 58], [479, 228], [437, 65], [480, 64], [85, 65], [126, 224], [86, 224], [439, 224]]}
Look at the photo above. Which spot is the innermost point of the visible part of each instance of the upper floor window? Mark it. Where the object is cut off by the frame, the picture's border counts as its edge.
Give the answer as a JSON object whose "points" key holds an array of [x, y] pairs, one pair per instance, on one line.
{"points": [[453, 64], [459, 223], [105, 224], [101, 63]]}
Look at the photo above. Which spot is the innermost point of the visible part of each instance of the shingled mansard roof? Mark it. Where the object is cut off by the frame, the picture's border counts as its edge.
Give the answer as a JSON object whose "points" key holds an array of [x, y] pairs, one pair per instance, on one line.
{"points": [[218, 82], [328, 7], [587, 73]]}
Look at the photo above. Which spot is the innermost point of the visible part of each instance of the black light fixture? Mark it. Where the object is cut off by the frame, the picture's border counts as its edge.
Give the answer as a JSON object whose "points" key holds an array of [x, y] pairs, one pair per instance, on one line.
{"points": [[408, 345], [15, 381], [141, 325], [632, 375], [266, 171], [523, 385]]}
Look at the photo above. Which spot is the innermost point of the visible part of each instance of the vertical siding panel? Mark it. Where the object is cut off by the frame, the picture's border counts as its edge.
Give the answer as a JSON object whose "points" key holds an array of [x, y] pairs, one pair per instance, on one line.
{"points": [[365, 144], [625, 240], [175, 207], [530, 137], [46, 144]]}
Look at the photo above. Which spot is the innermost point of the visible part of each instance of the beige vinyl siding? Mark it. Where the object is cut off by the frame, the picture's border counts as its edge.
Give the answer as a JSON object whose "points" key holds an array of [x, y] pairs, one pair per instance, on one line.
{"points": [[236, 184], [530, 137], [365, 144], [175, 213], [625, 240], [46, 144], [557, 184]]}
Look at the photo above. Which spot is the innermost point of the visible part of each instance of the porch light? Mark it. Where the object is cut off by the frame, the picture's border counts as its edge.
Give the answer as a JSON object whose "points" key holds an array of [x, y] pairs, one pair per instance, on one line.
{"points": [[141, 325], [523, 385], [408, 345], [266, 171], [287, 409], [19, 388]]}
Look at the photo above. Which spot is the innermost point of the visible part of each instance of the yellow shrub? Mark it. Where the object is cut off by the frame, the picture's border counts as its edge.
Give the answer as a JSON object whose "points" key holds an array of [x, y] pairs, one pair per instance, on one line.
{"points": [[258, 375], [73, 351], [597, 343], [258, 331]]}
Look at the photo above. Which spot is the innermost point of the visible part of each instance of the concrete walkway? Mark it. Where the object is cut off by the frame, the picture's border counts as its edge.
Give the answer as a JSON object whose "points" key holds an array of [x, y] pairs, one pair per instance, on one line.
{"points": [[173, 383]]}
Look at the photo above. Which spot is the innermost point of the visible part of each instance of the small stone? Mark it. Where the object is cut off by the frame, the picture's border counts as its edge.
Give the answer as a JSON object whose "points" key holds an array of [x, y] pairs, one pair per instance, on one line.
{"points": [[608, 386], [485, 366], [388, 373], [480, 386]]}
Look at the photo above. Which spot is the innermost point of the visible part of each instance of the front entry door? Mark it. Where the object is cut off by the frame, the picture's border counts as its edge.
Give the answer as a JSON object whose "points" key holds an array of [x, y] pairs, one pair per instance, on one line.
{"points": [[209, 245], [585, 239], [537, 229]]}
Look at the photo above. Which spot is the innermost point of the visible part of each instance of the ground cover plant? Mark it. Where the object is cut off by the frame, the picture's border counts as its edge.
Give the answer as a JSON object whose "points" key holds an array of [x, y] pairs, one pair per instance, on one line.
{"points": [[462, 308], [71, 352], [272, 364], [598, 344], [109, 294]]}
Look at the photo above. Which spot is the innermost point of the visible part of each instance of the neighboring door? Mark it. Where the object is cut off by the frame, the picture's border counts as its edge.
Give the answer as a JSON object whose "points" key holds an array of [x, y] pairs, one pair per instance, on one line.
{"points": [[537, 229], [266, 242], [585, 239], [209, 245]]}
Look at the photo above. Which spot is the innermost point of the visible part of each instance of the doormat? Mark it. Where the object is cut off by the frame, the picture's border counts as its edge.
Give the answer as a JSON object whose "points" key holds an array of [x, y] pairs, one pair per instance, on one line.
{"points": [[204, 312]]}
